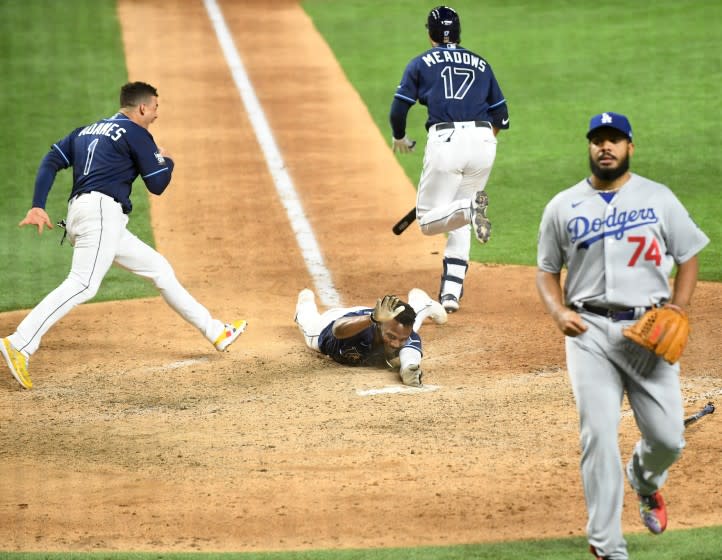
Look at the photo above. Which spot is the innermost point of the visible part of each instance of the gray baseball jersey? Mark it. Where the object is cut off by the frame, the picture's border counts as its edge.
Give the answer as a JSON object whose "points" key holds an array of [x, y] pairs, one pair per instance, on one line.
{"points": [[619, 248]]}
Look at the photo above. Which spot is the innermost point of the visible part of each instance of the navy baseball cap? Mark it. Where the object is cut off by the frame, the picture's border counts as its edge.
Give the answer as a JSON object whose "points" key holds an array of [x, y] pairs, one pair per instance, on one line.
{"points": [[611, 120]]}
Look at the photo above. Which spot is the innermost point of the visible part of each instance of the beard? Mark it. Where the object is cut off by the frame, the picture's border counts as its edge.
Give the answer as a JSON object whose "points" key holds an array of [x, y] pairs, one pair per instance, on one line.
{"points": [[609, 174]]}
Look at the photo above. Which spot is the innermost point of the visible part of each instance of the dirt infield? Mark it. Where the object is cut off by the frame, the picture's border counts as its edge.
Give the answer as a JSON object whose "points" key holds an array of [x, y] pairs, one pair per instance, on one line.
{"points": [[138, 436]]}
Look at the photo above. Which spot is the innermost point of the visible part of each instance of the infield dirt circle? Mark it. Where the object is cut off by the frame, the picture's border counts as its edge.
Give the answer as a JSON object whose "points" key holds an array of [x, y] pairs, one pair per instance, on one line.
{"points": [[139, 436]]}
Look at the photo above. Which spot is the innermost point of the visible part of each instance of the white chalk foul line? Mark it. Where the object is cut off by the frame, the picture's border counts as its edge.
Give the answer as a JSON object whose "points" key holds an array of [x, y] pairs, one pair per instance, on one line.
{"points": [[396, 389], [310, 250]]}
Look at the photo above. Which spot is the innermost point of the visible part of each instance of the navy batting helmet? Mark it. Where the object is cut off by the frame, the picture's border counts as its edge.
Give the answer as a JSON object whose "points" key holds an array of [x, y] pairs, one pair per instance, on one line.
{"points": [[444, 25]]}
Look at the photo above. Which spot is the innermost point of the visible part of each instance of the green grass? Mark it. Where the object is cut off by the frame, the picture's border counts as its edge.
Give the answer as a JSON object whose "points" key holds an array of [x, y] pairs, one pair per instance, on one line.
{"points": [[558, 63], [62, 67], [691, 544]]}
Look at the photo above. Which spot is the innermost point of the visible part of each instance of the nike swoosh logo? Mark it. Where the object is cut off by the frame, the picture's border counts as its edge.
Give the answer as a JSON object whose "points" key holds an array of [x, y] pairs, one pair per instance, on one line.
{"points": [[575, 204], [505, 121]]}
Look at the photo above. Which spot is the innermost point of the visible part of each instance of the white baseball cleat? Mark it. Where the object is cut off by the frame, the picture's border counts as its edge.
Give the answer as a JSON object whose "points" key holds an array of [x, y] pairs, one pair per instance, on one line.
{"points": [[420, 301], [450, 303], [305, 296]]}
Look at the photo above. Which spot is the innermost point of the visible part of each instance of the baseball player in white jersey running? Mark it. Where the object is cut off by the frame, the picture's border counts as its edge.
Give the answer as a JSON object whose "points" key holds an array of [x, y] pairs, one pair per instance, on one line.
{"points": [[619, 236], [385, 335], [106, 157], [466, 110]]}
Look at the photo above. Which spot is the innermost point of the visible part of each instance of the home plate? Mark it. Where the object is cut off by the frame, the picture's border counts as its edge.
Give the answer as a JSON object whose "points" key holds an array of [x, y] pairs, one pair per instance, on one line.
{"points": [[392, 389], [182, 363]]}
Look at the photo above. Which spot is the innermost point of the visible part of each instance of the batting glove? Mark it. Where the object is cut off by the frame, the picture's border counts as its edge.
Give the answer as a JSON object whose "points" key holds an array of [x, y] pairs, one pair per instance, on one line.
{"points": [[386, 309], [411, 375], [403, 145]]}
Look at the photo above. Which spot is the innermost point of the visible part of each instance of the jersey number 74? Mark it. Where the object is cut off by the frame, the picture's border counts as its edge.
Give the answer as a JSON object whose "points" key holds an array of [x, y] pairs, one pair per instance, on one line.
{"points": [[651, 251]]}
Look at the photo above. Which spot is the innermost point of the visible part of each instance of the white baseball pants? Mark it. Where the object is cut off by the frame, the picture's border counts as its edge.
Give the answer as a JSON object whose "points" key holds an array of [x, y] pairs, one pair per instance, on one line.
{"points": [[457, 164], [96, 228]]}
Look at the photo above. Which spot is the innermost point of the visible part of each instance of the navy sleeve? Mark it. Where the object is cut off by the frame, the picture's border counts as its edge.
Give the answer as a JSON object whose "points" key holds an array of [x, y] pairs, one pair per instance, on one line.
{"points": [[408, 88], [158, 180], [414, 341], [399, 111], [59, 157], [498, 110], [499, 116], [154, 169]]}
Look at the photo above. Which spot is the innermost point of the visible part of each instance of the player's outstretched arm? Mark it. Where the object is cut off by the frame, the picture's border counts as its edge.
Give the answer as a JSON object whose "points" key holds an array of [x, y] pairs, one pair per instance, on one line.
{"points": [[37, 217]]}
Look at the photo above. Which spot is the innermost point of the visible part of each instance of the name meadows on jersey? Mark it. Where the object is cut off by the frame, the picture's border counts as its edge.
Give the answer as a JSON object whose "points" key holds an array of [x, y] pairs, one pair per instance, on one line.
{"points": [[459, 57]]}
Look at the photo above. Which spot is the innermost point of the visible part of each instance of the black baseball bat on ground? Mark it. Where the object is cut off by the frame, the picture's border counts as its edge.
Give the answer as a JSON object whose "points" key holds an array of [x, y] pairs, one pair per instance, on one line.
{"points": [[708, 409], [404, 222]]}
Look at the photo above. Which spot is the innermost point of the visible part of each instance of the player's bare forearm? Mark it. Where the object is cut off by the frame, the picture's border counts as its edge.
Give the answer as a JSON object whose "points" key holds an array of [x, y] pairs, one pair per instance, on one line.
{"points": [[685, 282], [346, 327], [37, 217], [550, 291]]}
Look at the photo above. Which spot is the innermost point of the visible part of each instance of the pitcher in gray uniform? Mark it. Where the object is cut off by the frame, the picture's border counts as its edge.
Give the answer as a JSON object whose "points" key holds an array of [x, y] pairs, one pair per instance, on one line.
{"points": [[619, 236]]}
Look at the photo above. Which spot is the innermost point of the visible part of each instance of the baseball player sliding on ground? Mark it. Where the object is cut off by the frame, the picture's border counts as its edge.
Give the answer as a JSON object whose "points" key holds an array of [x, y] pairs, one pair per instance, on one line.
{"points": [[383, 336], [619, 235], [466, 110], [106, 157]]}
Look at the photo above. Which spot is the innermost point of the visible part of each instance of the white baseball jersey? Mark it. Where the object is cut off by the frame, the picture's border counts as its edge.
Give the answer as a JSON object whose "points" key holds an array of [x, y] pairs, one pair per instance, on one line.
{"points": [[619, 248]]}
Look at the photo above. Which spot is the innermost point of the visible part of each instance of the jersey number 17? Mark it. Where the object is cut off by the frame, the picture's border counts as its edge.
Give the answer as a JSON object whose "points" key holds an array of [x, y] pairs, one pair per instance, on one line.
{"points": [[452, 88]]}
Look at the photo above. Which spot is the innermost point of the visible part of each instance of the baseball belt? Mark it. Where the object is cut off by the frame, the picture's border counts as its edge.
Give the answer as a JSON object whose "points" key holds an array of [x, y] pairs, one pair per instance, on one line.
{"points": [[616, 314], [445, 125]]}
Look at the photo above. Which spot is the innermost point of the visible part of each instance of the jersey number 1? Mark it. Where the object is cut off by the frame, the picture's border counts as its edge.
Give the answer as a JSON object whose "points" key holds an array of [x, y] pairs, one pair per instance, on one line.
{"points": [[651, 254], [89, 160]]}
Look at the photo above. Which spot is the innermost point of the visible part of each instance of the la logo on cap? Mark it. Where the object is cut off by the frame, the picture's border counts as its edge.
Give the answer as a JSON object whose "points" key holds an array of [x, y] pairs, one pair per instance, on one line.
{"points": [[606, 119]]}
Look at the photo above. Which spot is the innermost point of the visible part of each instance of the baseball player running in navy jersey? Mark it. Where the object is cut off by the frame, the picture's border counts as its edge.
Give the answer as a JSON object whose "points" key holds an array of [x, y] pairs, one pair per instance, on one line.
{"points": [[106, 157], [619, 235], [385, 335], [466, 110]]}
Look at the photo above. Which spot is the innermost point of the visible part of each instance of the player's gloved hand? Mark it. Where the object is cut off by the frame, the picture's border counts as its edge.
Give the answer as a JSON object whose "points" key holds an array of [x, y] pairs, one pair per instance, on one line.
{"points": [[403, 145], [386, 309], [411, 375]]}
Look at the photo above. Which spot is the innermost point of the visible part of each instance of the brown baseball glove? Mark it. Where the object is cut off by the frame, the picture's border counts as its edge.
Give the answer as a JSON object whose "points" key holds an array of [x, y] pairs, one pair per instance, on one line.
{"points": [[662, 330]]}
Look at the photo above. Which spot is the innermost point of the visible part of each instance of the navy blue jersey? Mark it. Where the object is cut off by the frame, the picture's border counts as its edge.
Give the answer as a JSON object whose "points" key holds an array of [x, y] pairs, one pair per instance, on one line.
{"points": [[106, 157], [360, 349], [455, 85]]}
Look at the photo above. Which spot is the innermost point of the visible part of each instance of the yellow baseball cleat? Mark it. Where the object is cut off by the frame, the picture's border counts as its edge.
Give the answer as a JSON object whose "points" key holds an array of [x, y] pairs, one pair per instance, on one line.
{"points": [[17, 362], [230, 333]]}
